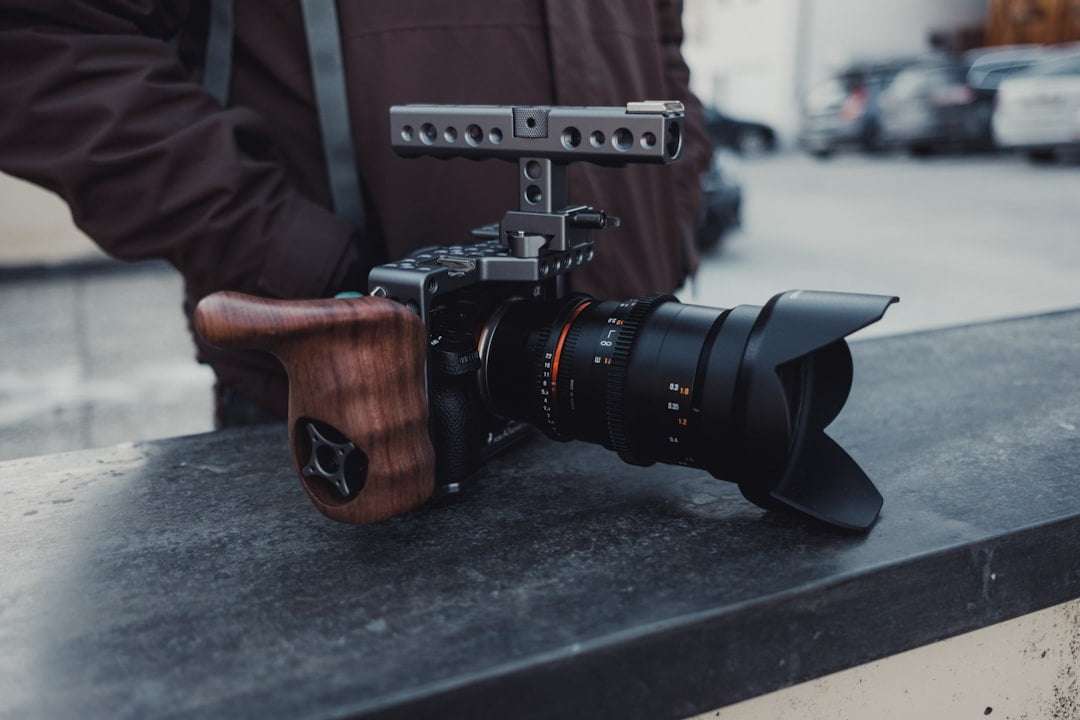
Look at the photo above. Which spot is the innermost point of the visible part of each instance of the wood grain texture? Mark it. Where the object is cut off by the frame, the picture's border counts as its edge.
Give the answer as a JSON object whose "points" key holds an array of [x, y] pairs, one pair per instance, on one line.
{"points": [[356, 364]]}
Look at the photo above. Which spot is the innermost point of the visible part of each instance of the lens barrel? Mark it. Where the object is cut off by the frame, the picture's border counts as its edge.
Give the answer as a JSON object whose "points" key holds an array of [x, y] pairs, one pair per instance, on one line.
{"points": [[744, 393]]}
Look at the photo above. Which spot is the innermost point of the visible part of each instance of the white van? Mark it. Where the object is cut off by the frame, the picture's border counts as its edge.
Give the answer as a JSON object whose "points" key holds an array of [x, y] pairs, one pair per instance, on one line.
{"points": [[1039, 110]]}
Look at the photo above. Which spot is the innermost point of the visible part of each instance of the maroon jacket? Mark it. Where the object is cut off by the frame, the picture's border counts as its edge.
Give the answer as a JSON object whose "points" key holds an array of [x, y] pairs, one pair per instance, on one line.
{"points": [[100, 102]]}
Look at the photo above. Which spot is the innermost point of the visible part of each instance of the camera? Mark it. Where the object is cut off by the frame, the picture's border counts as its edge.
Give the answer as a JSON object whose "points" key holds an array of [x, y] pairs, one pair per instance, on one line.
{"points": [[744, 393], [457, 351], [463, 292]]}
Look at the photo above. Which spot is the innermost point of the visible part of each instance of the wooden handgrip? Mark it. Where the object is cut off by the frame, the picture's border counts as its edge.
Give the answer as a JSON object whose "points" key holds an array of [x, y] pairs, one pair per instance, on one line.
{"points": [[356, 365]]}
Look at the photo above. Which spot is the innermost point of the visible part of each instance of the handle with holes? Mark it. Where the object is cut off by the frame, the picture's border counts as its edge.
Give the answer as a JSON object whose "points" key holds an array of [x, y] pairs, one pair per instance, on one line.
{"points": [[356, 377]]}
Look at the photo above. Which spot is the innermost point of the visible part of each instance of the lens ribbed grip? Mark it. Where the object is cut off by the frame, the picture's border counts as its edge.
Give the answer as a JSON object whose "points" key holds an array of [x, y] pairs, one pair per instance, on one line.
{"points": [[632, 314]]}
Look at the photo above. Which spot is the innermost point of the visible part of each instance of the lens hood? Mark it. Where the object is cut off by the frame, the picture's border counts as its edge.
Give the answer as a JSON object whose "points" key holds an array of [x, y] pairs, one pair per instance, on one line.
{"points": [[793, 379]]}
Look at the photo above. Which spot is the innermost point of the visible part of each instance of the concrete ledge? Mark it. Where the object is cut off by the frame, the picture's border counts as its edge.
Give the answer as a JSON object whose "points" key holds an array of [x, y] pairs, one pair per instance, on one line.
{"points": [[191, 575]]}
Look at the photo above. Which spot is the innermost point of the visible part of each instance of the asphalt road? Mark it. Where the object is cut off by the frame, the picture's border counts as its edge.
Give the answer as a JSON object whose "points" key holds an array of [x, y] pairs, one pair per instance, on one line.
{"points": [[958, 239], [103, 359], [97, 360]]}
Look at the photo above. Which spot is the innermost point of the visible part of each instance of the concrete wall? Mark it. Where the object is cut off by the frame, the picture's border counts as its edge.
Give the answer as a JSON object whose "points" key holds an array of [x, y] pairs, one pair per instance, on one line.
{"points": [[36, 227], [741, 54], [753, 57]]}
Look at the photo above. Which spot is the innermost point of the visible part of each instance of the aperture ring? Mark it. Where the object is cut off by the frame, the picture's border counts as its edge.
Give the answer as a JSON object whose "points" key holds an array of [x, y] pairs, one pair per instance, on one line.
{"points": [[547, 346], [629, 317]]}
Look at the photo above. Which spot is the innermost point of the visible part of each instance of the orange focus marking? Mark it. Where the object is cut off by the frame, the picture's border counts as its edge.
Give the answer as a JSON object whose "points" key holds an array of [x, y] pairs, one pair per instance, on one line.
{"points": [[559, 347]]}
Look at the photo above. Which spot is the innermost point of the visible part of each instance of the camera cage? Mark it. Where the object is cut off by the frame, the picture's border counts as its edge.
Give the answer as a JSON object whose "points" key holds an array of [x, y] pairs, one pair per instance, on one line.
{"points": [[546, 236]]}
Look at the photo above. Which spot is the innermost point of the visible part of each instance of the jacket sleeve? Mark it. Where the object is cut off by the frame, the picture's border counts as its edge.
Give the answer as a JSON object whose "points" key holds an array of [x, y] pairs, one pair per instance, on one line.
{"points": [[97, 107], [697, 148]]}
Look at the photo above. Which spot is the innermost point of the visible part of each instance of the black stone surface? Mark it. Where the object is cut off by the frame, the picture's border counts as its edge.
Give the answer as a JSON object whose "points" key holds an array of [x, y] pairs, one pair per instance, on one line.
{"points": [[190, 577]]}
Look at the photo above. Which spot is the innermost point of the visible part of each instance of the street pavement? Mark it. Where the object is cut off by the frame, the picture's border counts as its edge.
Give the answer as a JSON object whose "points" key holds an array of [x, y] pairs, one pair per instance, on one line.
{"points": [[958, 239], [102, 358], [96, 360]]}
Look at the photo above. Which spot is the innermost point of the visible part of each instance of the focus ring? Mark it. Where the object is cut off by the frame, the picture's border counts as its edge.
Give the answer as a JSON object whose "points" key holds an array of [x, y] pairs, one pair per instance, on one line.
{"points": [[632, 314]]}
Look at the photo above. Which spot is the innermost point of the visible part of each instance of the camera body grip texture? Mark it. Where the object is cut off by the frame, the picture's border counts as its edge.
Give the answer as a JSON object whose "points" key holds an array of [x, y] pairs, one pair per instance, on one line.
{"points": [[356, 365]]}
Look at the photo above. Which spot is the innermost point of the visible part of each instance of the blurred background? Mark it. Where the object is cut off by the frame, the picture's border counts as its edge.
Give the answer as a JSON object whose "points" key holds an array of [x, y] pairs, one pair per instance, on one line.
{"points": [[927, 148]]}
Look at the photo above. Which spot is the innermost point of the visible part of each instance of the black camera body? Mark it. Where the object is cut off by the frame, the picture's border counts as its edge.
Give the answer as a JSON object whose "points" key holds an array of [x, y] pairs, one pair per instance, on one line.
{"points": [[744, 393]]}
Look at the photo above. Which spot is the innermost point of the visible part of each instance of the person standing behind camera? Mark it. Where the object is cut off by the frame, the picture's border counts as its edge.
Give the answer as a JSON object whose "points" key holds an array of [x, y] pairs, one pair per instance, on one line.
{"points": [[105, 104]]}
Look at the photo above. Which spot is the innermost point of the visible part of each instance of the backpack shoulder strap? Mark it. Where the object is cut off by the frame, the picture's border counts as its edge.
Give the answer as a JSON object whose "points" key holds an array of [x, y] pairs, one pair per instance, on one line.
{"points": [[217, 70], [327, 62], [335, 122]]}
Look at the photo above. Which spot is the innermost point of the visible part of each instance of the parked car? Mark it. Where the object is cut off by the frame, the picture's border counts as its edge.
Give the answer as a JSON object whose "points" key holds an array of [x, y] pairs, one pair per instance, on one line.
{"points": [[991, 66], [721, 201], [930, 106], [1039, 111], [743, 136], [844, 111]]}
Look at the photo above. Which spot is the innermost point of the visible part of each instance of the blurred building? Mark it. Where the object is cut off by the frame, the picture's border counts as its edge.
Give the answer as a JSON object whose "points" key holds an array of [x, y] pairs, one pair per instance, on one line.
{"points": [[1033, 21], [758, 58]]}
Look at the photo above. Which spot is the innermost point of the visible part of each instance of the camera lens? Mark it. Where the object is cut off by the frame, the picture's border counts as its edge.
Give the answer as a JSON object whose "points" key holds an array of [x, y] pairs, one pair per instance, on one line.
{"points": [[622, 374], [744, 393]]}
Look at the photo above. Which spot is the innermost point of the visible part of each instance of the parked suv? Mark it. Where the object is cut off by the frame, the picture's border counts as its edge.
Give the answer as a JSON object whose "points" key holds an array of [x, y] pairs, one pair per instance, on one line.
{"points": [[930, 106], [991, 66], [844, 111], [721, 201], [1039, 111], [745, 137]]}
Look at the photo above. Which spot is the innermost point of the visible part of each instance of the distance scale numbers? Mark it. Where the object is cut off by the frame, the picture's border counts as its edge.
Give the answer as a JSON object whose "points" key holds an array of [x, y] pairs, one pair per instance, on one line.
{"points": [[605, 350], [677, 404]]}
